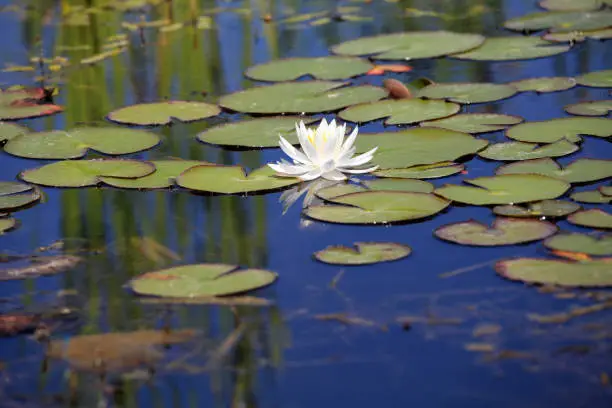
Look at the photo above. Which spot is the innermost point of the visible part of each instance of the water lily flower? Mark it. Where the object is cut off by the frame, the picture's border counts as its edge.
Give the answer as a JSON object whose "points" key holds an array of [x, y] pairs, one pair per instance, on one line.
{"points": [[325, 153]]}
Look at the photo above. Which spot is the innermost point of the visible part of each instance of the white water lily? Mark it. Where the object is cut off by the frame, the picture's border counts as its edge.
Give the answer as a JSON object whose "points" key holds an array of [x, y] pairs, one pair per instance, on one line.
{"points": [[325, 153]]}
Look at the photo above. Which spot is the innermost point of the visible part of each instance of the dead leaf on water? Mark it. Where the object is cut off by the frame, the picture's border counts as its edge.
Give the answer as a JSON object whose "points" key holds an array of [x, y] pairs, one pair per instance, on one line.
{"points": [[479, 347], [41, 267]]}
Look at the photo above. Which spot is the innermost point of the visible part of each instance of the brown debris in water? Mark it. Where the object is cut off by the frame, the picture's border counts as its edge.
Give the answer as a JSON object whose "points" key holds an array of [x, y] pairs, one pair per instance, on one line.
{"points": [[41, 266]]}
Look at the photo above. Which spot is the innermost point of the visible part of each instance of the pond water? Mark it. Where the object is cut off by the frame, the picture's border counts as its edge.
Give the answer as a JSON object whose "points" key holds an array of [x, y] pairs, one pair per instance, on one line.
{"points": [[438, 329]]}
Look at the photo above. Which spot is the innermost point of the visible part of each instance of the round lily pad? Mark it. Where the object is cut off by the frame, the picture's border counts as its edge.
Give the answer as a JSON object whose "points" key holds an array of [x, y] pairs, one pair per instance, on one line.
{"points": [[574, 5], [327, 68], [594, 218], [467, 92], [505, 189], [544, 84], [550, 131], [592, 197], [504, 231], [579, 36], [545, 208], [25, 103], [363, 253], [596, 79], [201, 280], [590, 108], [400, 111], [15, 195], [9, 130], [7, 224], [560, 21], [410, 45], [163, 113], [166, 171], [84, 173], [406, 185], [475, 122], [232, 180], [513, 48], [581, 243], [301, 97], [510, 151], [377, 207], [556, 272], [578, 171], [73, 144], [427, 171]]}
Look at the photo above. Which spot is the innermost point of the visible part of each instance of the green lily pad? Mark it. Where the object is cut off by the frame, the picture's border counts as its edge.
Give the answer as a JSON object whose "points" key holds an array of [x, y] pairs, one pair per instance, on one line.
{"points": [[562, 21], [550, 131], [544, 84], [504, 231], [363, 253], [163, 113], [467, 92], [301, 97], [579, 171], [590, 108], [505, 189], [327, 68], [418, 146], [556, 272], [262, 132], [25, 103], [574, 5], [9, 130], [232, 180], [606, 190], [513, 48], [201, 280], [73, 144], [13, 187], [592, 197], [164, 176], [546, 208], [399, 112], [594, 218], [15, 195], [85, 173], [525, 151], [410, 45], [596, 79], [581, 243], [7, 224], [475, 122], [377, 207], [579, 36], [427, 171], [405, 185]]}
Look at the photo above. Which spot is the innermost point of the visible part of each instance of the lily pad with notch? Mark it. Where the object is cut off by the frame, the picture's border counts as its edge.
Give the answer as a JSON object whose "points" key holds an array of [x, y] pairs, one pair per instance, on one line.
{"points": [[363, 253], [590, 108], [578, 171], [400, 111], [14, 195], [404, 185], [544, 84], [26, 103], [164, 176], [326, 68], [553, 130], [163, 113], [592, 196], [467, 92], [513, 48], [10, 130], [545, 208], [561, 21], [594, 218], [581, 243], [596, 273], [426, 171], [475, 122], [596, 79], [510, 151]]}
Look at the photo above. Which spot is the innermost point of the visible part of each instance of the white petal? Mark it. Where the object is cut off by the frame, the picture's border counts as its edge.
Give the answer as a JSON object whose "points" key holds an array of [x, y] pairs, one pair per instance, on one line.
{"points": [[358, 171], [350, 141], [286, 169], [334, 175], [311, 175], [292, 152], [302, 133], [359, 160]]}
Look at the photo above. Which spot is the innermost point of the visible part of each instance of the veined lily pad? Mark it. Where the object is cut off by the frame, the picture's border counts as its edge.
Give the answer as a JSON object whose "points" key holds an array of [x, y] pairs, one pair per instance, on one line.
{"points": [[58, 144], [467, 92], [363, 253], [505, 189], [574, 5], [504, 231], [301, 97], [327, 68], [513, 48], [166, 171], [550, 131], [377, 207], [579, 171], [596, 79], [475, 122], [10, 130], [162, 113], [582, 243], [232, 180], [546, 208], [399, 112], [541, 85], [590, 108], [25, 103], [405, 185], [84, 173], [410, 45], [526, 151], [591, 218], [592, 196], [579, 36], [7, 224], [427, 171], [201, 280], [556, 272], [560, 21], [14, 195]]}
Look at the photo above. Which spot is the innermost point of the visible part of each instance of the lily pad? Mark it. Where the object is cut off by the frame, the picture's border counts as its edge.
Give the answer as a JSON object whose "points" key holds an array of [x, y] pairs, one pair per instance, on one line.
{"points": [[399, 112], [504, 231], [581, 243], [594, 218], [509, 151], [363, 253], [405, 185], [596, 79], [513, 48], [562, 21], [575, 5], [475, 122], [163, 113], [327, 68], [467, 92], [7, 224], [556, 272], [377, 207], [201, 280], [505, 189], [590, 108], [25, 103], [301, 97], [550, 131], [15, 195], [166, 172], [410, 45], [73, 144], [544, 84], [84, 173], [10, 130], [427, 171], [232, 180], [579, 171], [546, 208], [592, 197], [573, 37]]}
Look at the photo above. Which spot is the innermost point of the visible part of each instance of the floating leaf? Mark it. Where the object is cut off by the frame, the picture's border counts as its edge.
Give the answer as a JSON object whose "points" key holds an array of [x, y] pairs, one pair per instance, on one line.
{"points": [[505, 189], [301, 97], [163, 113], [10, 130], [556, 272], [405, 185], [579, 171], [581, 243], [15, 195], [428, 171], [401, 111], [546, 208], [201, 280], [592, 196], [475, 122], [43, 266], [232, 180], [410, 45], [327, 68], [166, 172], [525, 151], [513, 48], [590, 108], [594, 218], [25, 103], [550, 131], [7, 224], [560, 21], [578, 36], [377, 207], [596, 79], [504, 231], [544, 84], [84, 173], [467, 92], [363, 253], [575, 5]]}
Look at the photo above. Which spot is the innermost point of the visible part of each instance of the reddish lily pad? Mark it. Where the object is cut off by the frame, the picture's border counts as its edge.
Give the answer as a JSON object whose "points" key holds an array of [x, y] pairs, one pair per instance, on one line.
{"points": [[546, 208], [556, 272], [590, 108], [163, 113], [544, 84], [426, 171], [475, 122], [510, 151], [25, 103], [363, 253], [579, 171], [550, 131], [467, 92], [594, 218], [581, 243]]}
